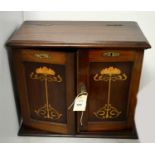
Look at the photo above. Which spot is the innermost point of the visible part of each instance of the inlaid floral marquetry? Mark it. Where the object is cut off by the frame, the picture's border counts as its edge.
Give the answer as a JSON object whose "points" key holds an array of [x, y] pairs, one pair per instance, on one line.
{"points": [[109, 74], [46, 75]]}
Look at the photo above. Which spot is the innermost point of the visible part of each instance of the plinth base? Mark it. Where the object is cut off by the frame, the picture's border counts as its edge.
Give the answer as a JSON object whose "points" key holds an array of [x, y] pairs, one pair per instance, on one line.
{"points": [[122, 134]]}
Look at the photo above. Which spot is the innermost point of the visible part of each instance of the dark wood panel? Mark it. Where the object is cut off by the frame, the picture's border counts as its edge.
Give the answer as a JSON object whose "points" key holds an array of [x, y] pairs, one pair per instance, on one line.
{"points": [[100, 55], [42, 55], [135, 80], [44, 93], [56, 93], [79, 34], [98, 91], [127, 133]]}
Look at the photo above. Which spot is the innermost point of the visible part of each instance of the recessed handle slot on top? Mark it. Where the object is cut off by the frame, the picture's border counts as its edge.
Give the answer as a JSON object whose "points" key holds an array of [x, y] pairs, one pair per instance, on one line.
{"points": [[114, 25]]}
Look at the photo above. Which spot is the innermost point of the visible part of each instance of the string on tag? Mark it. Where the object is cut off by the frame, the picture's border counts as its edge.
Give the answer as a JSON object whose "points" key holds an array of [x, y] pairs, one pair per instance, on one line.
{"points": [[81, 118]]}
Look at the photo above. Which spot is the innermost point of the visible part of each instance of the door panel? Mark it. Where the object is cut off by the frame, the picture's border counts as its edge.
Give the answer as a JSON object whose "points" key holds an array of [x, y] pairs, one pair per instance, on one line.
{"points": [[107, 79], [43, 92], [47, 81], [108, 101]]}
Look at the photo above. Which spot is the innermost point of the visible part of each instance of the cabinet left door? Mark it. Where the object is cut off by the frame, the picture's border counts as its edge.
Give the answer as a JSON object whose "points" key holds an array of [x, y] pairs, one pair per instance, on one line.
{"points": [[45, 81]]}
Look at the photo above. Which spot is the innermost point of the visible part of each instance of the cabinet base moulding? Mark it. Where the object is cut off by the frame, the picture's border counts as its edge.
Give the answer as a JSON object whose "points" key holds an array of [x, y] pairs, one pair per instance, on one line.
{"points": [[122, 134]]}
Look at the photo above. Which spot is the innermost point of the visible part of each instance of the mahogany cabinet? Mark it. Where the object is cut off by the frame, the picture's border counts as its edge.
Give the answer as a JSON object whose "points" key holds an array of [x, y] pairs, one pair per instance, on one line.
{"points": [[52, 62]]}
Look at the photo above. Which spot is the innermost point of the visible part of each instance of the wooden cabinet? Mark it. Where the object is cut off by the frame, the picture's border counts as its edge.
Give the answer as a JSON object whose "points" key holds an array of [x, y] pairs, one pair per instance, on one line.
{"points": [[53, 61]]}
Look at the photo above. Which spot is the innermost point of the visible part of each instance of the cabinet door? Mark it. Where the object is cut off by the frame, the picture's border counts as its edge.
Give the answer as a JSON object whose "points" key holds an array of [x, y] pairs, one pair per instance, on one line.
{"points": [[111, 78], [46, 88]]}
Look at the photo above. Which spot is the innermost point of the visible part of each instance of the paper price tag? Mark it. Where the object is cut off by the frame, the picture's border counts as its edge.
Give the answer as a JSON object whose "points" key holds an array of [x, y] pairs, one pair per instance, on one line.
{"points": [[80, 103]]}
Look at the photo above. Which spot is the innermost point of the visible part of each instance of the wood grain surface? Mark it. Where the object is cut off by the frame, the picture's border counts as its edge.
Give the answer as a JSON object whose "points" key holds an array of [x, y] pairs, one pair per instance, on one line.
{"points": [[79, 34]]}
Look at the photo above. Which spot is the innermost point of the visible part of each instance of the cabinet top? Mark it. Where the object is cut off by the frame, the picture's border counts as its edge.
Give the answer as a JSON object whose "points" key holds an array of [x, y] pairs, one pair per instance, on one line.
{"points": [[108, 34]]}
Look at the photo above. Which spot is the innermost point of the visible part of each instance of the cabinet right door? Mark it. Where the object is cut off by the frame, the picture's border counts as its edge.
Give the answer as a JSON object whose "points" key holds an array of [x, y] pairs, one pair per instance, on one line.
{"points": [[111, 78]]}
